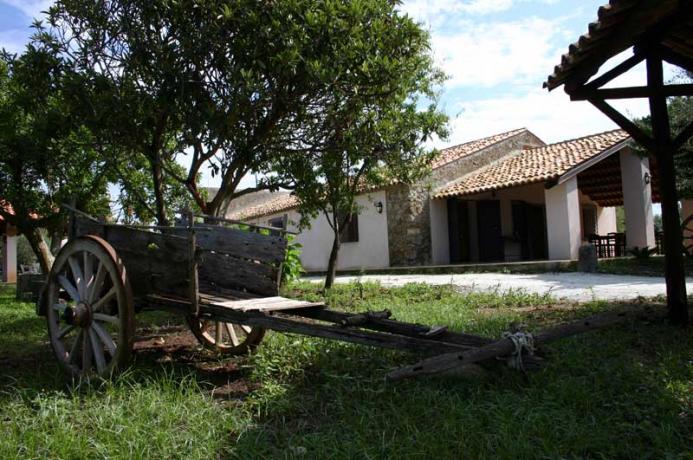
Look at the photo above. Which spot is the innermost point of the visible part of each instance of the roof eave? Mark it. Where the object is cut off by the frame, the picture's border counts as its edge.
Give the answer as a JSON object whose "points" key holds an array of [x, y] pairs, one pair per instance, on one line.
{"points": [[577, 169]]}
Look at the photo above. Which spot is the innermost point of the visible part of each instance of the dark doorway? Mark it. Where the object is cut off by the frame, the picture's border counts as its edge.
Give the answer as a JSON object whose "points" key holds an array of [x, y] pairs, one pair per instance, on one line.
{"points": [[529, 227], [488, 220], [458, 231]]}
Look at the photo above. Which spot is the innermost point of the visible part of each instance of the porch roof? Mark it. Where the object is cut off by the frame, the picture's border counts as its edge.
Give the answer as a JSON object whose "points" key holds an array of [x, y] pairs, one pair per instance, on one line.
{"points": [[621, 24], [542, 164]]}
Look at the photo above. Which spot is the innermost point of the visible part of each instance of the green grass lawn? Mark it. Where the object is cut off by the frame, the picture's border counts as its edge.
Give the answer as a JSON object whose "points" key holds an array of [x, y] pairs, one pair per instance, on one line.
{"points": [[624, 392]]}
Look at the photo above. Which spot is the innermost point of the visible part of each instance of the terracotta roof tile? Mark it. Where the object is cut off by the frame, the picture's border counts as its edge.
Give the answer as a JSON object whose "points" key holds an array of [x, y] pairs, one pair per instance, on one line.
{"points": [[533, 165], [451, 154], [620, 24], [280, 203]]}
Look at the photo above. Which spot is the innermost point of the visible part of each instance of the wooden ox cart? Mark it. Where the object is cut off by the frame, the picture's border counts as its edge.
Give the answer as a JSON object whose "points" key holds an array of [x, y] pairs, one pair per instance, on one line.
{"points": [[223, 277]]}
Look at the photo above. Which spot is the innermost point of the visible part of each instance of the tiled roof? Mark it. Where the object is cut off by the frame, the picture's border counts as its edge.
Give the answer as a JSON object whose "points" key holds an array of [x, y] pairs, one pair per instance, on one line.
{"points": [[280, 203], [451, 154], [533, 165]]}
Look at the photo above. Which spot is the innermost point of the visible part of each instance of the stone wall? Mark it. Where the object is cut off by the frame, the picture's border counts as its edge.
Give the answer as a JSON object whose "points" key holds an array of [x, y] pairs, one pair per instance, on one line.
{"points": [[408, 224], [408, 216]]}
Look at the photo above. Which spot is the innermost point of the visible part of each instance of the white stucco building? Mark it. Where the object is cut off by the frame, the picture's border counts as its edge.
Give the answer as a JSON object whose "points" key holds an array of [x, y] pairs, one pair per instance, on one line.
{"points": [[508, 197]]}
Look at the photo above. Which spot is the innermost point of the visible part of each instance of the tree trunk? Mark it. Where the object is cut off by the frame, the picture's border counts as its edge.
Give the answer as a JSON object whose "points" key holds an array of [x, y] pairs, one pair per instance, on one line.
{"points": [[332, 263], [40, 247], [158, 182]]}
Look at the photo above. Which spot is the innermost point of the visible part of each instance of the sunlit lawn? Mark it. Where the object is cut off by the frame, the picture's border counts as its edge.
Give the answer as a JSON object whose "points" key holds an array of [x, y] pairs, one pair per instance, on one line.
{"points": [[625, 392]]}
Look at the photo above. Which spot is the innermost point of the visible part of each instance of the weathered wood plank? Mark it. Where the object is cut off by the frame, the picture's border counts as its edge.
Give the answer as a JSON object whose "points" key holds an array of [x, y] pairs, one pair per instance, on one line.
{"points": [[375, 339], [398, 327], [82, 226], [232, 273], [241, 243], [501, 347], [263, 304], [154, 262]]}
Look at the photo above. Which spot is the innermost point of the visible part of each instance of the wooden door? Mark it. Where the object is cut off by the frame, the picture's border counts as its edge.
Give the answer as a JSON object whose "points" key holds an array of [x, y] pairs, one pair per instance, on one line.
{"points": [[458, 231], [488, 219]]}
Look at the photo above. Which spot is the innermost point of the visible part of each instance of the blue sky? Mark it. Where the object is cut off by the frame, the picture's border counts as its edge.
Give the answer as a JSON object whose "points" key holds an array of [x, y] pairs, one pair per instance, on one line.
{"points": [[497, 54]]}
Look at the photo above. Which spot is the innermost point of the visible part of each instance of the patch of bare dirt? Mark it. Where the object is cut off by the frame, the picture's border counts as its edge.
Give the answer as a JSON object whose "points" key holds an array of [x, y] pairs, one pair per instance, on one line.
{"points": [[169, 341], [178, 345]]}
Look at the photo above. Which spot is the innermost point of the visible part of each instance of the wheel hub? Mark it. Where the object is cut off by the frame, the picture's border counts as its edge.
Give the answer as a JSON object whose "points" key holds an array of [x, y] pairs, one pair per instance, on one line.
{"points": [[78, 315]]}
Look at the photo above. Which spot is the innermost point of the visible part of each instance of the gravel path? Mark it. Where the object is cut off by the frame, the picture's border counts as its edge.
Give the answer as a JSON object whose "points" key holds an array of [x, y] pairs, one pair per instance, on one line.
{"points": [[579, 287]]}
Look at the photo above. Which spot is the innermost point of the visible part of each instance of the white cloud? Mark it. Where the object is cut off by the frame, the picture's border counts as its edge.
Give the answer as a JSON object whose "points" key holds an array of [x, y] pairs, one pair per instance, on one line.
{"points": [[488, 54], [31, 8], [485, 6], [436, 12], [551, 116]]}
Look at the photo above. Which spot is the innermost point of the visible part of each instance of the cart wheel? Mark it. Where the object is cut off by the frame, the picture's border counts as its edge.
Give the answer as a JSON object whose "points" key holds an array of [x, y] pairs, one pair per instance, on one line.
{"points": [[90, 309], [228, 338], [687, 228]]}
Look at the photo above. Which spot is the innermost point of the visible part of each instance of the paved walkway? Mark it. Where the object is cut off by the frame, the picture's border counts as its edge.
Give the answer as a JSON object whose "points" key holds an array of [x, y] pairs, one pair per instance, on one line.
{"points": [[579, 287]]}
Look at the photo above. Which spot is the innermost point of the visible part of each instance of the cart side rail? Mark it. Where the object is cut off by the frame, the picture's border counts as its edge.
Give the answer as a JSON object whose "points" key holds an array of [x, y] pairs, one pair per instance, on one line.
{"points": [[159, 260], [234, 256], [155, 262]]}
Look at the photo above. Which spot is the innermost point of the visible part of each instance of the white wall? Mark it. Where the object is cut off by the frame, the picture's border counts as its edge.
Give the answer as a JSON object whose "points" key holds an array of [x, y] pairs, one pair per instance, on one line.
{"points": [[637, 200], [606, 220], [440, 241], [564, 229], [371, 250]]}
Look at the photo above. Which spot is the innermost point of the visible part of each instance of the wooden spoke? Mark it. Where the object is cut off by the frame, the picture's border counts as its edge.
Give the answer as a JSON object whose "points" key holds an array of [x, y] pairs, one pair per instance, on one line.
{"points": [[96, 306], [97, 351], [105, 338], [64, 331], [82, 269], [88, 273], [86, 353], [232, 334], [226, 337], [218, 333], [97, 283], [107, 318], [78, 276], [75, 346], [69, 288]]}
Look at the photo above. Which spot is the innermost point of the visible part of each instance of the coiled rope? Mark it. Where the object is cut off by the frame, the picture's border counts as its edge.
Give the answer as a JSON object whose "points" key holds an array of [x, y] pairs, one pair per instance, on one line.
{"points": [[524, 345]]}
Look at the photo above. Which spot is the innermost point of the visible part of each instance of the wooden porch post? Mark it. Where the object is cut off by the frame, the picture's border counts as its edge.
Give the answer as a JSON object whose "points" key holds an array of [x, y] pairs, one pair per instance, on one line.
{"points": [[664, 151]]}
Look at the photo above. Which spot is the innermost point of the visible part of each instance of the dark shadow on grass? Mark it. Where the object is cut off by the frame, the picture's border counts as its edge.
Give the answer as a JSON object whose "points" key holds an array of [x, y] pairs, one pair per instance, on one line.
{"points": [[601, 395]]}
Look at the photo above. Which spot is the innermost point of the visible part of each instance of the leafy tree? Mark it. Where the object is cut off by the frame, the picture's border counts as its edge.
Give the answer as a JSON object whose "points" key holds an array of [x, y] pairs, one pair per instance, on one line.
{"points": [[46, 156], [368, 125], [680, 115], [227, 84], [218, 82]]}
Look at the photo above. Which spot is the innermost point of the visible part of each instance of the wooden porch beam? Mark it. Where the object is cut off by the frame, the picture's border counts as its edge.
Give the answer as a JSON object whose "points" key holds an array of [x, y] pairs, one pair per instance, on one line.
{"points": [[620, 69], [663, 149], [634, 92], [631, 128]]}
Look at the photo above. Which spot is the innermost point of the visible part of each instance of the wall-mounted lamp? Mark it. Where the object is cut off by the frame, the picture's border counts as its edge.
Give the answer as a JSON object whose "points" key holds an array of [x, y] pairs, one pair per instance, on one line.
{"points": [[378, 206], [647, 178]]}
